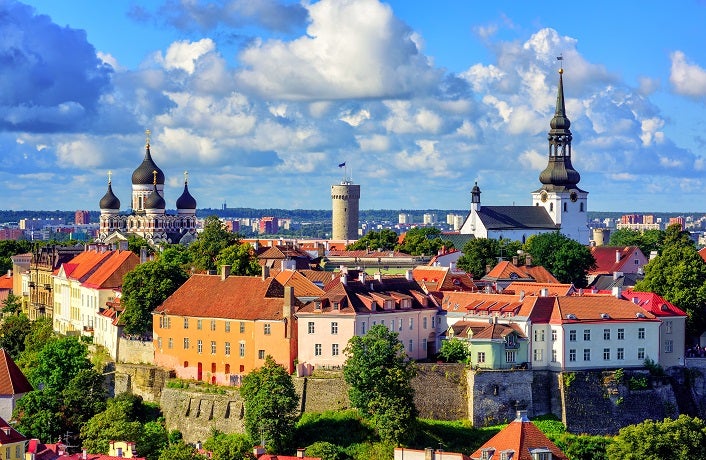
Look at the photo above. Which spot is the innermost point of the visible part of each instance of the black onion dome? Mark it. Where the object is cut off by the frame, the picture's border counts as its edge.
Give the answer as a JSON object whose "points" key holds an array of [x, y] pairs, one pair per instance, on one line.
{"points": [[186, 201], [144, 174], [109, 200], [155, 200]]}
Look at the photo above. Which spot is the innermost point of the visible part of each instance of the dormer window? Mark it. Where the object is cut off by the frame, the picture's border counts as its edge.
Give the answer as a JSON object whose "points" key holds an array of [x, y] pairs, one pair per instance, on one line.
{"points": [[317, 305], [541, 453], [336, 306], [389, 305], [487, 453], [507, 455]]}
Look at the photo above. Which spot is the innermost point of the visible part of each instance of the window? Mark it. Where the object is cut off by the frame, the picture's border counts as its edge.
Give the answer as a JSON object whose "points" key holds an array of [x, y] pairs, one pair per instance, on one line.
{"points": [[334, 349], [668, 327], [538, 335], [242, 349], [199, 346], [199, 324], [640, 353], [159, 343], [620, 354], [310, 327], [411, 323], [538, 354], [553, 335], [432, 322], [213, 324], [424, 322], [424, 345], [260, 354], [553, 356], [572, 335], [362, 327], [227, 349], [411, 346], [641, 333], [186, 343], [564, 207], [317, 349], [586, 354], [668, 346], [227, 368], [213, 347], [621, 334], [510, 356], [606, 354], [227, 326], [186, 323], [334, 328], [572, 355], [242, 327], [267, 328], [587, 334], [606, 334], [480, 357], [171, 343]]}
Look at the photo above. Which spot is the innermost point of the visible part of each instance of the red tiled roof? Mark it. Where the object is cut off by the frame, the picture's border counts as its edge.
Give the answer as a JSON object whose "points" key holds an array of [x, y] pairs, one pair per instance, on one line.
{"points": [[443, 279], [83, 265], [303, 286], [536, 288], [236, 297], [593, 308], [12, 380], [702, 253], [520, 436], [506, 270], [366, 254], [611, 259], [6, 282], [110, 272], [653, 303], [8, 434]]}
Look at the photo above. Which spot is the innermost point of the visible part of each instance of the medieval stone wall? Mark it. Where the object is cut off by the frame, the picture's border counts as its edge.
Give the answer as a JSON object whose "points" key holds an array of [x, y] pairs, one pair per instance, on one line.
{"points": [[142, 380], [135, 351], [495, 396]]}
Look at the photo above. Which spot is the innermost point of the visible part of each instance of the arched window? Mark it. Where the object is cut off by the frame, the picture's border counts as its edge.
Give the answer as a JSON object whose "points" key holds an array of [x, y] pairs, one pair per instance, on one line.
{"points": [[564, 207], [551, 207], [581, 207]]}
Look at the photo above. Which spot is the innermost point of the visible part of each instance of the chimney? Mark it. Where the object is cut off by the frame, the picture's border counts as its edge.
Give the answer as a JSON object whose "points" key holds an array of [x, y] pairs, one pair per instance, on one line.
{"points": [[515, 260], [300, 453], [225, 272], [289, 302], [617, 292], [617, 275], [344, 279], [361, 276], [256, 245], [265, 272], [198, 445], [544, 292], [408, 275], [617, 255], [258, 451], [452, 266], [522, 296], [528, 260], [84, 454], [522, 416], [143, 254], [428, 453], [378, 276]]}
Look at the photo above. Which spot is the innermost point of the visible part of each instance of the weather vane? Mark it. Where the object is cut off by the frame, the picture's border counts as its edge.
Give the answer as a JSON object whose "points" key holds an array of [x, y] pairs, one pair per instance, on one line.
{"points": [[147, 133], [110, 175], [560, 58], [186, 177]]}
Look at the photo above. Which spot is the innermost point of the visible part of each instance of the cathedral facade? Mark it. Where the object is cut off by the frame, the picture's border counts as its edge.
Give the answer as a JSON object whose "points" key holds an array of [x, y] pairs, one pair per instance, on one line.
{"points": [[559, 204], [147, 217]]}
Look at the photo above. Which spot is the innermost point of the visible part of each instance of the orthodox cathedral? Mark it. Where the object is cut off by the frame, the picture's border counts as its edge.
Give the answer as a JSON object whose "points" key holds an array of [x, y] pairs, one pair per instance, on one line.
{"points": [[148, 218], [557, 205]]}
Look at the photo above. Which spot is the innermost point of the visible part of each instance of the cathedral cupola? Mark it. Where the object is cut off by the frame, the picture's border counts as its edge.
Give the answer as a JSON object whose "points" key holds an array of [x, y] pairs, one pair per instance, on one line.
{"points": [[475, 197], [186, 204], [559, 173], [143, 174], [155, 201], [109, 202]]}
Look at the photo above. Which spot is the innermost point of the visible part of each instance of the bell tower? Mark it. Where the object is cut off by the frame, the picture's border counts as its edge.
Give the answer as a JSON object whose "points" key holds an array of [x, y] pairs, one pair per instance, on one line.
{"points": [[560, 195]]}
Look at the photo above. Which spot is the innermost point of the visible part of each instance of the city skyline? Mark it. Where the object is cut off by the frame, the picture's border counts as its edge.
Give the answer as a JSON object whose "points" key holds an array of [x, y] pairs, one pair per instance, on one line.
{"points": [[262, 100]]}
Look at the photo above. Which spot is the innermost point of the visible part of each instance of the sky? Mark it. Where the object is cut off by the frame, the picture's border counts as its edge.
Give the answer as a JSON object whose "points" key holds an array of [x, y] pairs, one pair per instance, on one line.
{"points": [[261, 100]]}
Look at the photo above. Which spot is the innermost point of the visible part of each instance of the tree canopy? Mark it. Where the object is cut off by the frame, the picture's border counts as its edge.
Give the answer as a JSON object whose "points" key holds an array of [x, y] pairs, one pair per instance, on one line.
{"points": [[214, 238], [9, 248], [379, 375], [241, 258], [678, 274], [480, 253], [454, 350], [13, 331], [680, 439], [647, 241], [423, 241], [270, 405], [384, 240], [568, 260]]}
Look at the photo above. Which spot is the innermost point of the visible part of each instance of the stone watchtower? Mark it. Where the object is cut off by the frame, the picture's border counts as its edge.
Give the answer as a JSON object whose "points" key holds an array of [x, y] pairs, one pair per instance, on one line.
{"points": [[345, 197]]}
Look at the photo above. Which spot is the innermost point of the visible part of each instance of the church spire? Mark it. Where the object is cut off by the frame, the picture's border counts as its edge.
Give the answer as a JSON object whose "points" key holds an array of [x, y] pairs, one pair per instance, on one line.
{"points": [[559, 173]]}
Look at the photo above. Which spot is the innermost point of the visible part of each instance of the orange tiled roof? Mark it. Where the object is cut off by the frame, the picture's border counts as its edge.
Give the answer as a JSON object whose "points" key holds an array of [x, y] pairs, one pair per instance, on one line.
{"points": [[443, 279], [6, 282], [653, 303], [594, 308], [608, 262], [507, 270], [12, 380], [8, 434], [84, 264], [485, 329], [520, 436], [536, 288], [236, 297], [303, 287], [109, 274]]}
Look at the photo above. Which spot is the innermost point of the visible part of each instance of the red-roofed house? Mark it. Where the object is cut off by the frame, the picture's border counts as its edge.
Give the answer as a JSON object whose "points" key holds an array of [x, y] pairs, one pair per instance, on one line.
{"points": [[12, 442], [402, 453], [6, 282], [260, 454], [672, 331], [84, 285], [616, 259], [219, 328], [13, 385], [437, 278], [519, 440], [117, 450], [506, 272]]}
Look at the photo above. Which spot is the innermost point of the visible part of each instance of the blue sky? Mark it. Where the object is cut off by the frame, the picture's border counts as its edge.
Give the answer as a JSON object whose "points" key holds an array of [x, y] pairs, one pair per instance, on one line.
{"points": [[260, 100]]}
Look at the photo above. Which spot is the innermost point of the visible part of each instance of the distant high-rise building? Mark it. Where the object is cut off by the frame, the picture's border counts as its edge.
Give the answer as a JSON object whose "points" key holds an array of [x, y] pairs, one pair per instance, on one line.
{"points": [[82, 218], [268, 226], [345, 198], [429, 218], [405, 218]]}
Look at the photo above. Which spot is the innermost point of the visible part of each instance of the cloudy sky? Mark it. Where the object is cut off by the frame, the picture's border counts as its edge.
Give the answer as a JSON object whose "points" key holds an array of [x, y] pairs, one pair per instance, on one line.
{"points": [[260, 100]]}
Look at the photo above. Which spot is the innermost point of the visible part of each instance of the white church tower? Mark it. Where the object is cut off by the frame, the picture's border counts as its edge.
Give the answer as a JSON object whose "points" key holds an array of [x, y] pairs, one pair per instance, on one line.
{"points": [[559, 194]]}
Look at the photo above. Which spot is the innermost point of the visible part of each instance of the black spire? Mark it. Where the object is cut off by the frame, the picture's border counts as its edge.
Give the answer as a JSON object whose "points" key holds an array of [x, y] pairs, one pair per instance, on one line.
{"points": [[109, 200], [143, 174], [186, 201], [559, 173]]}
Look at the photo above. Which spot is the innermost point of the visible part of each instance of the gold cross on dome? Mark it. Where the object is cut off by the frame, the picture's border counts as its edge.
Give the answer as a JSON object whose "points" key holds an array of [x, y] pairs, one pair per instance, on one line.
{"points": [[110, 175], [147, 133], [186, 177]]}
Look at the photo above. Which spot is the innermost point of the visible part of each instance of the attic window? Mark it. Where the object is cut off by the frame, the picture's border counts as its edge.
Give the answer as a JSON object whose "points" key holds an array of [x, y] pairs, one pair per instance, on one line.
{"points": [[570, 316], [507, 455], [487, 453], [664, 307], [317, 305], [639, 315], [605, 316], [335, 306]]}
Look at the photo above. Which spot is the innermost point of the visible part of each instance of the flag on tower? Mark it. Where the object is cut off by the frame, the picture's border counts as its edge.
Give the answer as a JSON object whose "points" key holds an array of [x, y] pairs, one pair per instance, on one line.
{"points": [[341, 165]]}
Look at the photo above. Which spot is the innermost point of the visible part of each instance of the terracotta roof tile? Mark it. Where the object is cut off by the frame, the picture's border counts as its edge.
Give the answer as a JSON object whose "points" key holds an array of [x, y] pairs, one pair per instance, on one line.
{"points": [[520, 436], [593, 308], [83, 265], [506, 270], [653, 303], [110, 272], [303, 286], [535, 289], [444, 279], [12, 380], [8, 434], [611, 259]]}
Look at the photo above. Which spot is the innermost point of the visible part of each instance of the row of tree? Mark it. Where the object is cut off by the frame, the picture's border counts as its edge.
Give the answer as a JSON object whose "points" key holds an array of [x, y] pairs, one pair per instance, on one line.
{"points": [[421, 241]]}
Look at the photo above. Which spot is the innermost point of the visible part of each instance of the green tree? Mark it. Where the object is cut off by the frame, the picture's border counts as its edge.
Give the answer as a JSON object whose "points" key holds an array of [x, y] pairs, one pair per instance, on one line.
{"points": [[679, 275], [379, 376], [83, 397], [122, 419], [423, 242], [135, 243], [233, 446], [680, 439], [325, 451], [9, 248], [647, 241], [38, 414], [144, 289], [12, 305], [39, 335], [478, 254], [270, 405], [454, 350], [58, 362], [241, 259], [384, 240], [13, 331], [180, 451], [214, 238], [153, 439], [568, 260]]}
